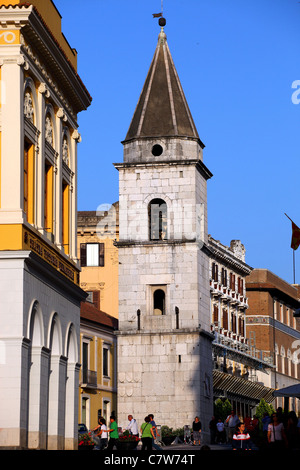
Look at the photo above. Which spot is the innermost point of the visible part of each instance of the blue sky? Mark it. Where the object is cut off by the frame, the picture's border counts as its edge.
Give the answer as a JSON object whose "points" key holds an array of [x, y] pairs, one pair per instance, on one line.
{"points": [[237, 61]]}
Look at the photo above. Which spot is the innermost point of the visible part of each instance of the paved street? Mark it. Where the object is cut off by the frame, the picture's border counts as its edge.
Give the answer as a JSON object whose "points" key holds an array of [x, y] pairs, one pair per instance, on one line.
{"points": [[189, 447]]}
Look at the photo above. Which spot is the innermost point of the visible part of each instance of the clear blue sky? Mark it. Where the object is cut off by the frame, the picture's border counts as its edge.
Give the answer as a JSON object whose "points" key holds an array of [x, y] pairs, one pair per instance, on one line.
{"points": [[237, 60]]}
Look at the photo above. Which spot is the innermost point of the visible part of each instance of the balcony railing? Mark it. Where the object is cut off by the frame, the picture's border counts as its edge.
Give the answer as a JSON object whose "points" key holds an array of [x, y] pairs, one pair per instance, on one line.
{"points": [[239, 343], [234, 297], [89, 378]]}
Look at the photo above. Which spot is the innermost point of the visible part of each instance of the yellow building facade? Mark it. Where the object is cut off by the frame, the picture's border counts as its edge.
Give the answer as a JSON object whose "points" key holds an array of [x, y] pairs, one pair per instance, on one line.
{"points": [[40, 296], [97, 232], [97, 379]]}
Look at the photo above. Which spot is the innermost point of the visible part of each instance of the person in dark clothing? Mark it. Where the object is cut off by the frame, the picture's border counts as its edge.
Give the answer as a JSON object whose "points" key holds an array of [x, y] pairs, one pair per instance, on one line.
{"points": [[196, 430], [241, 438], [213, 430]]}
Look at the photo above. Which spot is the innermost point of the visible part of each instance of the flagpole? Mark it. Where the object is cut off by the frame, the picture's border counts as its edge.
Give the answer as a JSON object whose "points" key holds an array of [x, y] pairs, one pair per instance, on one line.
{"points": [[294, 266], [288, 217], [294, 263]]}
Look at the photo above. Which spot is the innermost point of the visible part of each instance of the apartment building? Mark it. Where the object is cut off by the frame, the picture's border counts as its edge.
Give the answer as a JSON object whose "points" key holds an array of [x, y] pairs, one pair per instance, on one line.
{"points": [[236, 360], [272, 324]]}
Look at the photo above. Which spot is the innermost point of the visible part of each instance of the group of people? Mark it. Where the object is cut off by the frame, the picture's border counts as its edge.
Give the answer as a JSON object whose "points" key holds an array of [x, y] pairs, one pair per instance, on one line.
{"points": [[278, 431], [148, 433], [282, 430], [103, 431]]}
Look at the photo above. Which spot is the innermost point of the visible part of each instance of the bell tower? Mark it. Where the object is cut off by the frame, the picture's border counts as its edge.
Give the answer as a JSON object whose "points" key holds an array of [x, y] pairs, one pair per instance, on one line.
{"points": [[164, 340]]}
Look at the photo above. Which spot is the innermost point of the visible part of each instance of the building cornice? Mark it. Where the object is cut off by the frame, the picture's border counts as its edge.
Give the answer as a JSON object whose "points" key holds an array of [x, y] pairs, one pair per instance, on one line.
{"points": [[222, 254], [36, 33], [201, 167]]}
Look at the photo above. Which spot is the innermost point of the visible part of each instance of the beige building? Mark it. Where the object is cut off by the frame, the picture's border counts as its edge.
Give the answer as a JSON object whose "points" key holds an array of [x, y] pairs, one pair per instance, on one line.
{"points": [[97, 232], [240, 367], [40, 296]]}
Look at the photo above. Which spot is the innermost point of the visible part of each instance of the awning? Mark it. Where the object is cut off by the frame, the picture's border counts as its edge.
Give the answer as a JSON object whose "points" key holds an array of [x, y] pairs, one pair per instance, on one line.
{"points": [[243, 387], [291, 391]]}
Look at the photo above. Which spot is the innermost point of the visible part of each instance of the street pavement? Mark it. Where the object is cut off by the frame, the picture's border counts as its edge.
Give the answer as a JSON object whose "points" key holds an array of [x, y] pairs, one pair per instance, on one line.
{"points": [[192, 448]]}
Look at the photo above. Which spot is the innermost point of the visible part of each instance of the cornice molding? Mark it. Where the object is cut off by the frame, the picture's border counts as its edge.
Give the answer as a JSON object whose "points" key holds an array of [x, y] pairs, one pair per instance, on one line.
{"points": [[55, 68]]}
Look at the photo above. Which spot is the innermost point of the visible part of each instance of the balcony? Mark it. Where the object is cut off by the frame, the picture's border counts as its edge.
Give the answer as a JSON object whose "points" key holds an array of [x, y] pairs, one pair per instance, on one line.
{"points": [[238, 348], [89, 378], [218, 289]]}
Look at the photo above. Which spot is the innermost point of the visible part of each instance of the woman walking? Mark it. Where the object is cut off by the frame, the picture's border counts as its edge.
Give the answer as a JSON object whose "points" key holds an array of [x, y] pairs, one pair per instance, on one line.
{"points": [[276, 435], [147, 434]]}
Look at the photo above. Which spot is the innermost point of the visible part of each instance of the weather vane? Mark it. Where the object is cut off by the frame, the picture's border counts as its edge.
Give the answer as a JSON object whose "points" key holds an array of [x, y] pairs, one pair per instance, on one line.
{"points": [[162, 21]]}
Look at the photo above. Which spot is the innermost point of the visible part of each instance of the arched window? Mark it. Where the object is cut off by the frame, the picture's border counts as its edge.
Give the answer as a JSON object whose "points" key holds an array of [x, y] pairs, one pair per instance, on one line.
{"points": [[159, 302], [158, 221]]}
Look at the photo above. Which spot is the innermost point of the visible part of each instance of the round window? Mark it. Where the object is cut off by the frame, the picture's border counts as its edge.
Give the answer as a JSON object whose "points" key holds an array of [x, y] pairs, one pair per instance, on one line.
{"points": [[157, 150]]}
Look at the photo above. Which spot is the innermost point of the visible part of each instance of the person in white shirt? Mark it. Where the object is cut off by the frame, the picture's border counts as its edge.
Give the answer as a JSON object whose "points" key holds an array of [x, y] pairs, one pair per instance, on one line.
{"points": [[103, 434], [132, 426], [220, 432]]}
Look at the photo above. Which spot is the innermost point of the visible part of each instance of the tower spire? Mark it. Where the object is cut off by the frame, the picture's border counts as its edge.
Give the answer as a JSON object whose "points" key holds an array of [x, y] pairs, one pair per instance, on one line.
{"points": [[162, 109]]}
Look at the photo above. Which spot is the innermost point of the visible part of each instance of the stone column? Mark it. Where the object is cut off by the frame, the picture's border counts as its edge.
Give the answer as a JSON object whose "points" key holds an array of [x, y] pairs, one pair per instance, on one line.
{"points": [[57, 398], [38, 398], [72, 396]]}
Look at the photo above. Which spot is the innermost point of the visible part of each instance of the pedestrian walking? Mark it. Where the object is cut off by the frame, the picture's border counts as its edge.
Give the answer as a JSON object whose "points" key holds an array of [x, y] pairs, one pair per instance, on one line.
{"points": [[132, 426], [213, 430], [265, 423], [103, 435], [147, 434], [113, 433], [155, 433], [196, 431], [276, 435], [231, 422], [133, 429], [292, 431], [220, 438]]}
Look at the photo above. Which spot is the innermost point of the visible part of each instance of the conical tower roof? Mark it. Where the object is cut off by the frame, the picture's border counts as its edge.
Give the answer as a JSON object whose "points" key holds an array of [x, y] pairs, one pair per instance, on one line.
{"points": [[162, 109]]}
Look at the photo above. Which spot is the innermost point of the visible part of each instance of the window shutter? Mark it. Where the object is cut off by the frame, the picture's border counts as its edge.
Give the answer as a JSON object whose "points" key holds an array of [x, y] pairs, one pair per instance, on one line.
{"points": [[225, 319], [83, 254], [216, 314], [101, 254], [232, 281], [216, 274]]}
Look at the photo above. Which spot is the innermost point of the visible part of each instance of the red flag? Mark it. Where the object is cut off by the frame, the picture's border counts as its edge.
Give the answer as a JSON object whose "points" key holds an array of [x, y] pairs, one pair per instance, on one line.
{"points": [[295, 236]]}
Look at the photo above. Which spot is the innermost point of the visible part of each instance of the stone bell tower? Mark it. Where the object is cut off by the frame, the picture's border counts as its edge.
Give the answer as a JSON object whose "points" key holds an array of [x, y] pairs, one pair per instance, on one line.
{"points": [[164, 340]]}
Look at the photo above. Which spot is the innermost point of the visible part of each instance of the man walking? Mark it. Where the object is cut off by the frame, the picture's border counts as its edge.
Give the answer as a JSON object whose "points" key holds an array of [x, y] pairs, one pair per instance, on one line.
{"points": [[231, 421], [154, 429], [132, 426], [133, 429], [113, 433]]}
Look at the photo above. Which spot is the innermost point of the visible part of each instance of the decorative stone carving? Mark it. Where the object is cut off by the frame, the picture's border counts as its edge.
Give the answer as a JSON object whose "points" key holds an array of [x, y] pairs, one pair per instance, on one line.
{"points": [[28, 106], [65, 151], [76, 136], [61, 114], [49, 130], [238, 249], [44, 90]]}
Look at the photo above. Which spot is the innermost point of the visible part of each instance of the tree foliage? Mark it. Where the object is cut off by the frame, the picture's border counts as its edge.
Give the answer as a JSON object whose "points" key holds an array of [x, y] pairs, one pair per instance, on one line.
{"points": [[222, 408], [262, 408]]}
